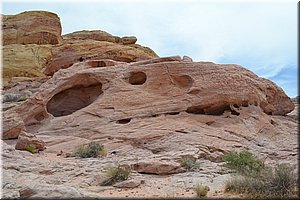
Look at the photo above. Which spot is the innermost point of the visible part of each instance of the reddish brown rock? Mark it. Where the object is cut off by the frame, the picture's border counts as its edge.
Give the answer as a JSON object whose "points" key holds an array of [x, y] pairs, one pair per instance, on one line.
{"points": [[12, 125], [100, 36], [75, 50], [26, 139], [31, 27], [157, 167]]}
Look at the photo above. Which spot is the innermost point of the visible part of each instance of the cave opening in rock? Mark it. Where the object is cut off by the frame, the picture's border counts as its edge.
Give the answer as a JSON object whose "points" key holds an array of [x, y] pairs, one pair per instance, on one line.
{"points": [[100, 63], [212, 110], [195, 110], [70, 100], [137, 78], [124, 121]]}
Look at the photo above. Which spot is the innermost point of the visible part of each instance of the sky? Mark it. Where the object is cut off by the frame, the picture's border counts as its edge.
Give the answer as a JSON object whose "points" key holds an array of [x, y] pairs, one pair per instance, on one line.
{"points": [[258, 35]]}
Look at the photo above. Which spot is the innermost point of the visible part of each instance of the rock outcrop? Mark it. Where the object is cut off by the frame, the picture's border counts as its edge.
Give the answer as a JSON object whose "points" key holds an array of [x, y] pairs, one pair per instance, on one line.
{"points": [[34, 47], [149, 113], [76, 50], [145, 89], [32, 27]]}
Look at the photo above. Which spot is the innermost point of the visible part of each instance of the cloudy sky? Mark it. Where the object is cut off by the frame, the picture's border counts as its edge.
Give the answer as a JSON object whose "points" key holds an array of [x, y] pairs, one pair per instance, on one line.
{"points": [[259, 35]]}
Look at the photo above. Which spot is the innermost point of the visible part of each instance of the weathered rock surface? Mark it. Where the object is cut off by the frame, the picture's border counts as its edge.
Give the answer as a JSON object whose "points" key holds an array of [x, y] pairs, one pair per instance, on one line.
{"points": [[34, 46], [76, 50], [148, 114], [163, 87], [25, 60], [26, 139], [157, 167], [128, 184], [31, 27], [12, 126], [100, 36]]}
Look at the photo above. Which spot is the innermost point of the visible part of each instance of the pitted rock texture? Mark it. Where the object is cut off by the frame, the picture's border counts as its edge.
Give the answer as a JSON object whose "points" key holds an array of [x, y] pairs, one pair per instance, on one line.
{"points": [[31, 27], [148, 88], [147, 115]]}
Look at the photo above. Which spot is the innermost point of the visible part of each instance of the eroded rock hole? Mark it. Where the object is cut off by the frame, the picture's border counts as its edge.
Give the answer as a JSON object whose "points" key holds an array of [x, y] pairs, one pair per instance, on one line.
{"points": [[137, 78], [173, 113], [183, 81], [124, 121], [195, 110], [70, 100], [214, 110], [97, 63]]}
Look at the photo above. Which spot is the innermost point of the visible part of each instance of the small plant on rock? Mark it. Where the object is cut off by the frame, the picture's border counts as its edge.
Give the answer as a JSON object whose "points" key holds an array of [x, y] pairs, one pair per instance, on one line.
{"points": [[116, 173], [189, 163], [201, 190], [93, 149], [31, 148]]}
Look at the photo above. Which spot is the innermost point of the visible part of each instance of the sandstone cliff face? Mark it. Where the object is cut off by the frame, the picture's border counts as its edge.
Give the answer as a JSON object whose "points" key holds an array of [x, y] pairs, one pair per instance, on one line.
{"points": [[34, 46]]}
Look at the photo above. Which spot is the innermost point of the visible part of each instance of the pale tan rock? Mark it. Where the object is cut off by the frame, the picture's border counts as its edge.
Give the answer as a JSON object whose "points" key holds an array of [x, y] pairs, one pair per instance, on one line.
{"points": [[26, 139], [25, 60], [128, 184], [31, 27]]}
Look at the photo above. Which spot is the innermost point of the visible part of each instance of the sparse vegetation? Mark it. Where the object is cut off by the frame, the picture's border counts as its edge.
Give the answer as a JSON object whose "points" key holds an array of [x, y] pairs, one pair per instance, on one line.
{"points": [[116, 173], [31, 148], [201, 190], [189, 163], [10, 97], [243, 162], [92, 149], [260, 181]]}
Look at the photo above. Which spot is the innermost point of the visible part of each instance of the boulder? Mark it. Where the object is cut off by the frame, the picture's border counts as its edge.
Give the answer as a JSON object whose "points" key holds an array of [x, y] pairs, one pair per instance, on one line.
{"points": [[26, 139], [157, 167], [31, 27]]}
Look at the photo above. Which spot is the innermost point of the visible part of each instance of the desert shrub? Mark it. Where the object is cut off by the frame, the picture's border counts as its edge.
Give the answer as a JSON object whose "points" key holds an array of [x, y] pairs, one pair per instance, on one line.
{"points": [[31, 148], [243, 162], [201, 190], [277, 182], [189, 163], [93, 149], [116, 173]]}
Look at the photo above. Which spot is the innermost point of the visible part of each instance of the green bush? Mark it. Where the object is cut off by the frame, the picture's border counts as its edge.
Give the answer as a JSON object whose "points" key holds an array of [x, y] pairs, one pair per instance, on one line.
{"points": [[31, 148], [115, 174], [243, 162], [278, 182], [93, 149], [201, 191], [189, 163]]}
